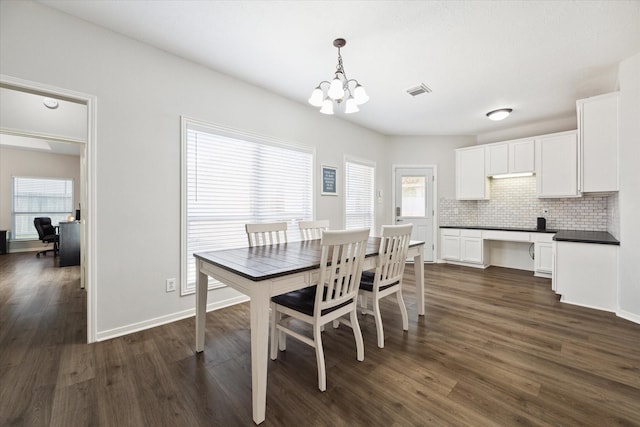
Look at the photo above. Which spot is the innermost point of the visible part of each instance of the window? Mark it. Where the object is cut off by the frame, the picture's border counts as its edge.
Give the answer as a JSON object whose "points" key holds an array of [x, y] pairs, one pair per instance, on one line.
{"points": [[34, 197], [231, 179], [359, 195]]}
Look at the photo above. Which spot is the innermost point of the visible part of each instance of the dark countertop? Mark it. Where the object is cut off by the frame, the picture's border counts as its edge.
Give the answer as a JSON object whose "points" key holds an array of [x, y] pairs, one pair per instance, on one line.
{"points": [[578, 236], [601, 237], [526, 230]]}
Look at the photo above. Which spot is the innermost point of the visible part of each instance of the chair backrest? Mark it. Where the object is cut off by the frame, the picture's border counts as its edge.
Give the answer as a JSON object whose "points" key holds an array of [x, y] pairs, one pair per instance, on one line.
{"points": [[312, 230], [44, 227], [341, 262], [392, 254], [266, 233]]}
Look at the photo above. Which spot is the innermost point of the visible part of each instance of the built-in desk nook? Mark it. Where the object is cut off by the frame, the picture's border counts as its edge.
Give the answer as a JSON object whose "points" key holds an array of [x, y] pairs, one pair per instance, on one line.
{"points": [[521, 248]]}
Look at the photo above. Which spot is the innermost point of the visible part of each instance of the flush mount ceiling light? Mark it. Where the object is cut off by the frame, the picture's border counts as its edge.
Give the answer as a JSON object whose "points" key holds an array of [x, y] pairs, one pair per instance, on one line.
{"points": [[340, 89], [50, 103], [500, 114]]}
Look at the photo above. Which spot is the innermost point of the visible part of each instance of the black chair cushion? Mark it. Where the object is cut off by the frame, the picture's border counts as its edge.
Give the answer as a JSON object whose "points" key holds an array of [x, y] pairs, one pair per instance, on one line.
{"points": [[366, 283], [51, 238], [304, 301]]}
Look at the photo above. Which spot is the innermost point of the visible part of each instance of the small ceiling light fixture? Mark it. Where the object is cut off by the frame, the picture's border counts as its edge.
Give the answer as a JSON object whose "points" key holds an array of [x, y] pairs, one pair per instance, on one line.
{"points": [[340, 89], [50, 103], [500, 114]]}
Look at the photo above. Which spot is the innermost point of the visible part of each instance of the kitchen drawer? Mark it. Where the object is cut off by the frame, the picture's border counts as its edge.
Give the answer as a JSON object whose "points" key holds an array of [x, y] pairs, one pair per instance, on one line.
{"points": [[513, 236], [542, 237], [450, 231], [470, 233]]}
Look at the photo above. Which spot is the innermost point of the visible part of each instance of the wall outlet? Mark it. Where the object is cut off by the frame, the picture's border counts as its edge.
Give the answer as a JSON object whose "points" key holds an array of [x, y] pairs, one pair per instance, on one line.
{"points": [[171, 285], [545, 211]]}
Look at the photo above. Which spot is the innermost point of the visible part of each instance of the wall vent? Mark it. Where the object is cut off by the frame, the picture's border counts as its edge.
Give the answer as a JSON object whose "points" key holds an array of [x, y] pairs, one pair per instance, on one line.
{"points": [[418, 90]]}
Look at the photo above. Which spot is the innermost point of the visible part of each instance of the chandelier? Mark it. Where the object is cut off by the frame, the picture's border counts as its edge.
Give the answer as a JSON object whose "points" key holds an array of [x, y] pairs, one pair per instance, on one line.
{"points": [[341, 89]]}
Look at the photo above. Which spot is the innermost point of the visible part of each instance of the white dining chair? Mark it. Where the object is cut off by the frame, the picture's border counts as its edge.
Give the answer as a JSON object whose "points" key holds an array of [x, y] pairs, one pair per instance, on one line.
{"points": [[312, 230], [335, 296], [387, 277], [266, 233]]}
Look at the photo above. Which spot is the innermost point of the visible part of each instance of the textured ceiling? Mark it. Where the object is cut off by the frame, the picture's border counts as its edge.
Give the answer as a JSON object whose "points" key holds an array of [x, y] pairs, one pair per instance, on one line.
{"points": [[536, 57]]}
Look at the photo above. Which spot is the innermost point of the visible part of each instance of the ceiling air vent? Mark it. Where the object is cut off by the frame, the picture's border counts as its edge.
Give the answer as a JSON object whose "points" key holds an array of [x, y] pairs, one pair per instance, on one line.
{"points": [[418, 90]]}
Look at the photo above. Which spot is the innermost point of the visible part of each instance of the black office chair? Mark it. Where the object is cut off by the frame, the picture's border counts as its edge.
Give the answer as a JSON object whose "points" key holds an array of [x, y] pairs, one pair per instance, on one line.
{"points": [[46, 233]]}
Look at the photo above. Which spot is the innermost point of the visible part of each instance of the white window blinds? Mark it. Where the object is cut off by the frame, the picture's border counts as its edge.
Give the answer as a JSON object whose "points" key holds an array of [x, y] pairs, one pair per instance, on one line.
{"points": [[232, 180], [359, 195], [36, 197]]}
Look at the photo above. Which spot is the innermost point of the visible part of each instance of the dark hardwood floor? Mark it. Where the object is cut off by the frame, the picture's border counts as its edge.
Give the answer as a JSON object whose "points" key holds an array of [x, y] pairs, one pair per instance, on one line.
{"points": [[495, 348]]}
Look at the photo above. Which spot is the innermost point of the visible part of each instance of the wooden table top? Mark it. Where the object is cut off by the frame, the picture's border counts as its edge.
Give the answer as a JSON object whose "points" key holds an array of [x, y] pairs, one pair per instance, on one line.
{"points": [[271, 261]]}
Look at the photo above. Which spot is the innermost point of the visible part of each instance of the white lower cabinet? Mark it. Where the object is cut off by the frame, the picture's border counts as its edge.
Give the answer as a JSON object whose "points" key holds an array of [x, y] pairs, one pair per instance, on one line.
{"points": [[587, 274], [450, 246], [544, 258], [544, 249], [471, 246], [462, 245]]}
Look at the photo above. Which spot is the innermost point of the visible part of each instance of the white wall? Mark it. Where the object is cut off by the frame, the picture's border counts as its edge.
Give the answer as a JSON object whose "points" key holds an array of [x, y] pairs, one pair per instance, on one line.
{"points": [[141, 94], [430, 150], [629, 270], [33, 164], [552, 125]]}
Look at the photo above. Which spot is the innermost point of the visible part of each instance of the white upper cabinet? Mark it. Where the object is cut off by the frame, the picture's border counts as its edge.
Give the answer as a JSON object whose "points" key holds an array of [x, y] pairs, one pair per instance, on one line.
{"points": [[598, 133], [497, 159], [557, 165], [471, 180], [522, 156], [510, 157]]}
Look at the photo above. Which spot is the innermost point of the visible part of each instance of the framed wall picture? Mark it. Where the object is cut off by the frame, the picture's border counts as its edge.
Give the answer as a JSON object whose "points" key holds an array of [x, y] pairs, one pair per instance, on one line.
{"points": [[329, 180]]}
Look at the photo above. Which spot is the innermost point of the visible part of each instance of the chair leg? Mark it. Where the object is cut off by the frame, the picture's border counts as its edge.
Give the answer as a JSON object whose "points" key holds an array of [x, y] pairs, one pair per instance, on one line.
{"points": [[363, 302], [282, 341], [403, 311], [357, 333], [378, 317], [322, 374], [275, 318]]}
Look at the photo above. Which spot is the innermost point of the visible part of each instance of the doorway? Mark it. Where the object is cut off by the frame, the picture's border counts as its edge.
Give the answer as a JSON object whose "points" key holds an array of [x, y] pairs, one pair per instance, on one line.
{"points": [[414, 203], [16, 126]]}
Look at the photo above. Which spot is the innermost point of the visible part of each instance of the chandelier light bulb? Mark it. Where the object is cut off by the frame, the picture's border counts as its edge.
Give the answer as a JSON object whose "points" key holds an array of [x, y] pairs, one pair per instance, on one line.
{"points": [[336, 90], [327, 106], [360, 94], [351, 106], [316, 97]]}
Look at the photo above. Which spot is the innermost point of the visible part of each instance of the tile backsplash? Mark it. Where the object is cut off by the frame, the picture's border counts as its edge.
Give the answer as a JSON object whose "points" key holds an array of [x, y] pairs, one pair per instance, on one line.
{"points": [[514, 203]]}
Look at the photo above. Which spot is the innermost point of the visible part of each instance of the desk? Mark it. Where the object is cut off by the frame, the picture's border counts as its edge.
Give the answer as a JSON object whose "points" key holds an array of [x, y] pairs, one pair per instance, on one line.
{"points": [[69, 243], [264, 271]]}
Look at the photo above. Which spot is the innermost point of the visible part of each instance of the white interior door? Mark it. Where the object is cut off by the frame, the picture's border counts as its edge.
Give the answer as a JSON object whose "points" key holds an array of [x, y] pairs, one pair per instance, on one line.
{"points": [[414, 204]]}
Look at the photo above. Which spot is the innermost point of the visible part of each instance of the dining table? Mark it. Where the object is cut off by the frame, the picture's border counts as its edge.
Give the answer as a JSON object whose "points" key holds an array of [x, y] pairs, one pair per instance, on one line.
{"points": [[261, 272]]}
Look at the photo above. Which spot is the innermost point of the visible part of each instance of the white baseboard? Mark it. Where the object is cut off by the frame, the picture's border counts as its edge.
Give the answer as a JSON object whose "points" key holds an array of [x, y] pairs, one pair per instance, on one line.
{"points": [[16, 251], [163, 320], [564, 300], [620, 313], [629, 316], [543, 275], [465, 264]]}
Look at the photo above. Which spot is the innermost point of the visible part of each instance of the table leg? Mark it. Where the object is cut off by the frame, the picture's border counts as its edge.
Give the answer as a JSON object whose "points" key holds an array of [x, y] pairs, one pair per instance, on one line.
{"points": [[418, 266], [259, 351], [202, 285]]}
